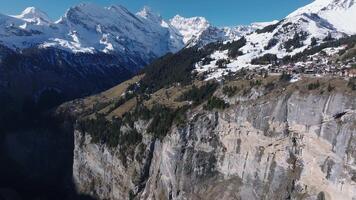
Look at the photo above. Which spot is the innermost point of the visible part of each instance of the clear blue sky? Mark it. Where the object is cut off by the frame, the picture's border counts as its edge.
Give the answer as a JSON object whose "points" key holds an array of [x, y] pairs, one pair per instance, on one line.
{"points": [[218, 12]]}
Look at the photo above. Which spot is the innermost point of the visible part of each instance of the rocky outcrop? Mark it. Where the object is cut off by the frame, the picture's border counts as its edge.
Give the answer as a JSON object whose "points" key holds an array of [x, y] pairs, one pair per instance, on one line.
{"points": [[296, 146]]}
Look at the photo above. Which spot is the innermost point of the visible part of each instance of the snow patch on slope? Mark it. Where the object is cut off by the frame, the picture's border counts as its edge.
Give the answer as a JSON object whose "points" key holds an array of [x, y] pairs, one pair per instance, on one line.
{"points": [[316, 20], [340, 13]]}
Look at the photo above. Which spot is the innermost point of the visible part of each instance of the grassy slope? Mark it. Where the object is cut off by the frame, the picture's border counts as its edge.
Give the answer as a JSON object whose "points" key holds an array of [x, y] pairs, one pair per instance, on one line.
{"points": [[169, 97]]}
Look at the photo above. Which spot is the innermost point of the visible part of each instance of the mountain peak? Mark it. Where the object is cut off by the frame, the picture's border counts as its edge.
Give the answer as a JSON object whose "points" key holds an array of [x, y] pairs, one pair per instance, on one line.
{"points": [[196, 20], [147, 13], [146, 10], [29, 10], [189, 27], [34, 15], [87, 12]]}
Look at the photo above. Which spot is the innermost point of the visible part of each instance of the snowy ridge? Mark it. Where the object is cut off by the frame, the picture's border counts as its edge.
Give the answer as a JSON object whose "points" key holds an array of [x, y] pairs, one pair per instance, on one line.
{"points": [[189, 28], [318, 20], [114, 30], [198, 30], [340, 13], [89, 28], [34, 16]]}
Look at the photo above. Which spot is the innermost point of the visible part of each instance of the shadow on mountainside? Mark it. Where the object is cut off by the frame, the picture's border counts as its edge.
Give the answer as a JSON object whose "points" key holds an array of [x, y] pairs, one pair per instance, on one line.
{"points": [[36, 159]]}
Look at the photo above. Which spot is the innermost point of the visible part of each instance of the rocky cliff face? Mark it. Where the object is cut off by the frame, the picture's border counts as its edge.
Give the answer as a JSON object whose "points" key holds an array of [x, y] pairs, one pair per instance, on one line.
{"points": [[296, 146]]}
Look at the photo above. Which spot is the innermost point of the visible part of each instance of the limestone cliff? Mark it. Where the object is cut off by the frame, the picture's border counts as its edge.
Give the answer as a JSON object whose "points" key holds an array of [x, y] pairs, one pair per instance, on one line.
{"points": [[294, 145]]}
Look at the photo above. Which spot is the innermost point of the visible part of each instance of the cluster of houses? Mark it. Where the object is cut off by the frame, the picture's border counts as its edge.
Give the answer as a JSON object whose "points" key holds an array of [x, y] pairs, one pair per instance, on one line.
{"points": [[324, 63], [312, 69], [318, 65]]}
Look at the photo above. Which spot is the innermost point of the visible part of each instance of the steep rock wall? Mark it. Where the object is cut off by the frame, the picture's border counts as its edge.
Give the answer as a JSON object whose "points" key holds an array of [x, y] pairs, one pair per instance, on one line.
{"points": [[291, 147]]}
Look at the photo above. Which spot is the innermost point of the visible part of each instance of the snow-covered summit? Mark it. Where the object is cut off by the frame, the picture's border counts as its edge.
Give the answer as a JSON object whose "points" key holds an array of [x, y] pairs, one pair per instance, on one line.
{"points": [[91, 28], [34, 15], [191, 27], [198, 30]]}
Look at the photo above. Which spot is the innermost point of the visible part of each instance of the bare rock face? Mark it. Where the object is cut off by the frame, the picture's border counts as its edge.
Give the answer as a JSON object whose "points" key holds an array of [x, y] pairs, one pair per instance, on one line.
{"points": [[296, 146]]}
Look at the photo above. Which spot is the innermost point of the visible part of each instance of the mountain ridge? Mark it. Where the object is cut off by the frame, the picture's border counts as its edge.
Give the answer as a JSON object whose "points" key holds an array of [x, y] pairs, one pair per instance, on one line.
{"points": [[267, 114], [75, 32], [317, 23], [88, 50]]}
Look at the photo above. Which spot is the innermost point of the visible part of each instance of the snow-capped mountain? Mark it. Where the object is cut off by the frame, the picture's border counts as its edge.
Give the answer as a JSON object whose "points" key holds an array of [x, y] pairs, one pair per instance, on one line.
{"points": [[90, 40], [341, 14], [89, 49], [317, 22], [189, 28], [198, 30], [115, 29], [90, 28], [34, 16]]}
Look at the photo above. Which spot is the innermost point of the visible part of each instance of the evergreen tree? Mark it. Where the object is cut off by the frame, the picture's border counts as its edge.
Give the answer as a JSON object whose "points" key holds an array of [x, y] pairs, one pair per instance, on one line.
{"points": [[313, 41]]}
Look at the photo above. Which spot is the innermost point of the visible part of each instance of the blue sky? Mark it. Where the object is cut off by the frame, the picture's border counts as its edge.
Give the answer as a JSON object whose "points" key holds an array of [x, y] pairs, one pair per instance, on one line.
{"points": [[218, 12]]}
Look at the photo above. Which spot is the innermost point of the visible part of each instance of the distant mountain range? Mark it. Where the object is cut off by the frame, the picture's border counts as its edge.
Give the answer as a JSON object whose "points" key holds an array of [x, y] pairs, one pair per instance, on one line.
{"points": [[88, 28], [44, 63], [276, 120], [91, 48]]}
